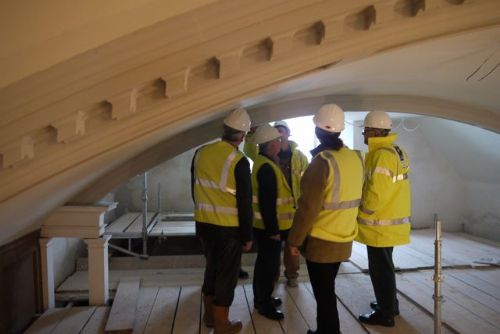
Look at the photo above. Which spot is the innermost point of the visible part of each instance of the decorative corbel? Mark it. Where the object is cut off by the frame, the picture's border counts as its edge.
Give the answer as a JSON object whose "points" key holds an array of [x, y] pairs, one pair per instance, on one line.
{"points": [[332, 29], [229, 63], [124, 104], [176, 83], [281, 45], [18, 151], [71, 128]]}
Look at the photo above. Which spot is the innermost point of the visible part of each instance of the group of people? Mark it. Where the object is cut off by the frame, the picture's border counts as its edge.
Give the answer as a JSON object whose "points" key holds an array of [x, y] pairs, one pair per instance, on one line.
{"points": [[316, 209]]}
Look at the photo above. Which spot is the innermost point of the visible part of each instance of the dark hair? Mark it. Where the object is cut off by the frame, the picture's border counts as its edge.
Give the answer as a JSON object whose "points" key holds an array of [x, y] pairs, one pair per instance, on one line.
{"points": [[330, 140], [231, 134]]}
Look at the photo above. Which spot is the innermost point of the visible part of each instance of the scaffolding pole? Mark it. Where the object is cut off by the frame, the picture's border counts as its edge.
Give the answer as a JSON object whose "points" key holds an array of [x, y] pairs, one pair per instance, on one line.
{"points": [[145, 216], [438, 299]]}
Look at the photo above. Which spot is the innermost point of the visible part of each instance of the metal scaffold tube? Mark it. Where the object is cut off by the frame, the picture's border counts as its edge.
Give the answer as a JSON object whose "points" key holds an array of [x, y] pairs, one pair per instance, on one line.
{"points": [[145, 216], [438, 299]]}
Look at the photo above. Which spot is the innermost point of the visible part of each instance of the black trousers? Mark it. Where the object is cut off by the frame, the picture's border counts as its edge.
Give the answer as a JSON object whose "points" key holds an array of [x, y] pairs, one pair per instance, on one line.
{"points": [[383, 277], [322, 276], [266, 267], [223, 261]]}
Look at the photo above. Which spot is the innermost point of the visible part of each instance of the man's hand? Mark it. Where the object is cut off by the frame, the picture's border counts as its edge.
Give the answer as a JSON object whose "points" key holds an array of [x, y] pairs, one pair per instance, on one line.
{"points": [[294, 250], [247, 246]]}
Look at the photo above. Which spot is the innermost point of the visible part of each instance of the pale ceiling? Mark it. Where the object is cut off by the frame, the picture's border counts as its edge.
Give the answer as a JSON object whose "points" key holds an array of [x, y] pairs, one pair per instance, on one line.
{"points": [[464, 69], [96, 99]]}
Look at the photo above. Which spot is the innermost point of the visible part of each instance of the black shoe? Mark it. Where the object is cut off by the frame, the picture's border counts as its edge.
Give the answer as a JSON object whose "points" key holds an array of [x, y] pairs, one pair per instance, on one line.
{"points": [[276, 301], [310, 331], [376, 318], [271, 312], [374, 306], [243, 274]]}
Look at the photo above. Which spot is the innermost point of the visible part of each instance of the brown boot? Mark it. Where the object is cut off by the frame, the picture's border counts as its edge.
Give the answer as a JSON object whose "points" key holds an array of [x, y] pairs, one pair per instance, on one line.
{"points": [[222, 324], [208, 316]]}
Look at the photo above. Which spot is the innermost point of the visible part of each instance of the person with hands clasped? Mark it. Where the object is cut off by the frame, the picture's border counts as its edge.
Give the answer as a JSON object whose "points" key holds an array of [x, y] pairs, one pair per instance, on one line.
{"points": [[324, 224]]}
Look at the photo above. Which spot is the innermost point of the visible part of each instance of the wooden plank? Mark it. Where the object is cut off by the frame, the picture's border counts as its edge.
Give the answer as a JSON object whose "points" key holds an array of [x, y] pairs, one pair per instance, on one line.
{"points": [[453, 314], [48, 321], [188, 315], [457, 294], [348, 322], [423, 242], [121, 224], [355, 292], [147, 297], [75, 320], [122, 315], [261, 323], [294, 322], [492, 276], [162, 315], [136, 226], [358, 256], [97, 322], [468, 277], [171, 228], [471, 290]]}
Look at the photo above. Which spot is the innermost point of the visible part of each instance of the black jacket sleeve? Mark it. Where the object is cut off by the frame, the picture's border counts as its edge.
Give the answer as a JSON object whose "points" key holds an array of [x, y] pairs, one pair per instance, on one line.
{"points": [[192, 175], [268, 193], [244, 198]]}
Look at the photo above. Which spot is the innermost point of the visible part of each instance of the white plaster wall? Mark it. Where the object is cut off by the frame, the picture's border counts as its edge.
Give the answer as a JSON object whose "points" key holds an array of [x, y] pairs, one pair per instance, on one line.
{"points": [[475, 155], [174, 178], [66, 252]]}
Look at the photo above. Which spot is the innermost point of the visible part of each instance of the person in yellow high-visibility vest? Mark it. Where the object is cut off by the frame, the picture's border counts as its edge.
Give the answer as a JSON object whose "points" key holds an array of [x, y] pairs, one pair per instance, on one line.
{"points": [[293, 164], [384, 214], [222, 195], [324, 225], [273, 213]]}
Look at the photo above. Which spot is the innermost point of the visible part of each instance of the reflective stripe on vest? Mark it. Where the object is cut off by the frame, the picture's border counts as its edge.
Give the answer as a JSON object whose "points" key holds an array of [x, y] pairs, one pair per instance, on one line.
{"points": [[223, 177], [385, 171], [216, 209], [281, 200], [281, 216], [336, 204], [383, 222]]}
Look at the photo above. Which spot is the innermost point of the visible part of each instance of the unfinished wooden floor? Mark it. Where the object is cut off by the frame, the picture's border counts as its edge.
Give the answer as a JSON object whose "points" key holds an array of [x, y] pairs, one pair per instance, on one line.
{"points": [[169, 300]]}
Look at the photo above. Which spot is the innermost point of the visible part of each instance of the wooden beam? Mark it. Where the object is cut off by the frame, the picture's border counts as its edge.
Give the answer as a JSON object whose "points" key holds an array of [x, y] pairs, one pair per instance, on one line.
{"points": [[229, 63]]}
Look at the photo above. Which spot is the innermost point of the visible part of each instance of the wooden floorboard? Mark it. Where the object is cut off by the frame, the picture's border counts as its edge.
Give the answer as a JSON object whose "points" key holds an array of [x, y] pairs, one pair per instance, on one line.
{"points": [[188, 314], [170, 299], [147, 297], [162, 314], [122, 315], [75, 320], [48, 321], [355, 292], [97, 322], [463, 320]]}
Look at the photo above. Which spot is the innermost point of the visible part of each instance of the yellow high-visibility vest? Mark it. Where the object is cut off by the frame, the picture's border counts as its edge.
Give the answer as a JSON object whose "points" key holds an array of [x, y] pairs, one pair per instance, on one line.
{"points": [[298, 163], [384, 215], [337, 220], [215, 184], [284, 203]]}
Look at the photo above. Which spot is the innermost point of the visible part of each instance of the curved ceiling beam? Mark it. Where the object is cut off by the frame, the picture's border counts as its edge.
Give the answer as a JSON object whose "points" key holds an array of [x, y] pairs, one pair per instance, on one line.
{"points": [[294, 108], [172, 74]]}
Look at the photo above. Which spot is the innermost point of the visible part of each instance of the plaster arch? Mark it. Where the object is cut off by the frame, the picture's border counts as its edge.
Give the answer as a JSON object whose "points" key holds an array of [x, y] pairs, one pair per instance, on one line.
{"points": [[80, 120]]}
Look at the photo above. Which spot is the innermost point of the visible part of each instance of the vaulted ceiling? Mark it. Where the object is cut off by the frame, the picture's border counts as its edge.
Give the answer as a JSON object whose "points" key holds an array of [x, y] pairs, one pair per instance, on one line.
{"points": [[95, 105]]}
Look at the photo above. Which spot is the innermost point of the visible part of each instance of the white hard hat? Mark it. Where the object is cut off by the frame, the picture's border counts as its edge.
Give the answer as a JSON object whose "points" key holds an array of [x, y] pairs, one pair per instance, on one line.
{"points": [[330, 118], [265, 133], [283, 124], [378, 119], [238, 120]]}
